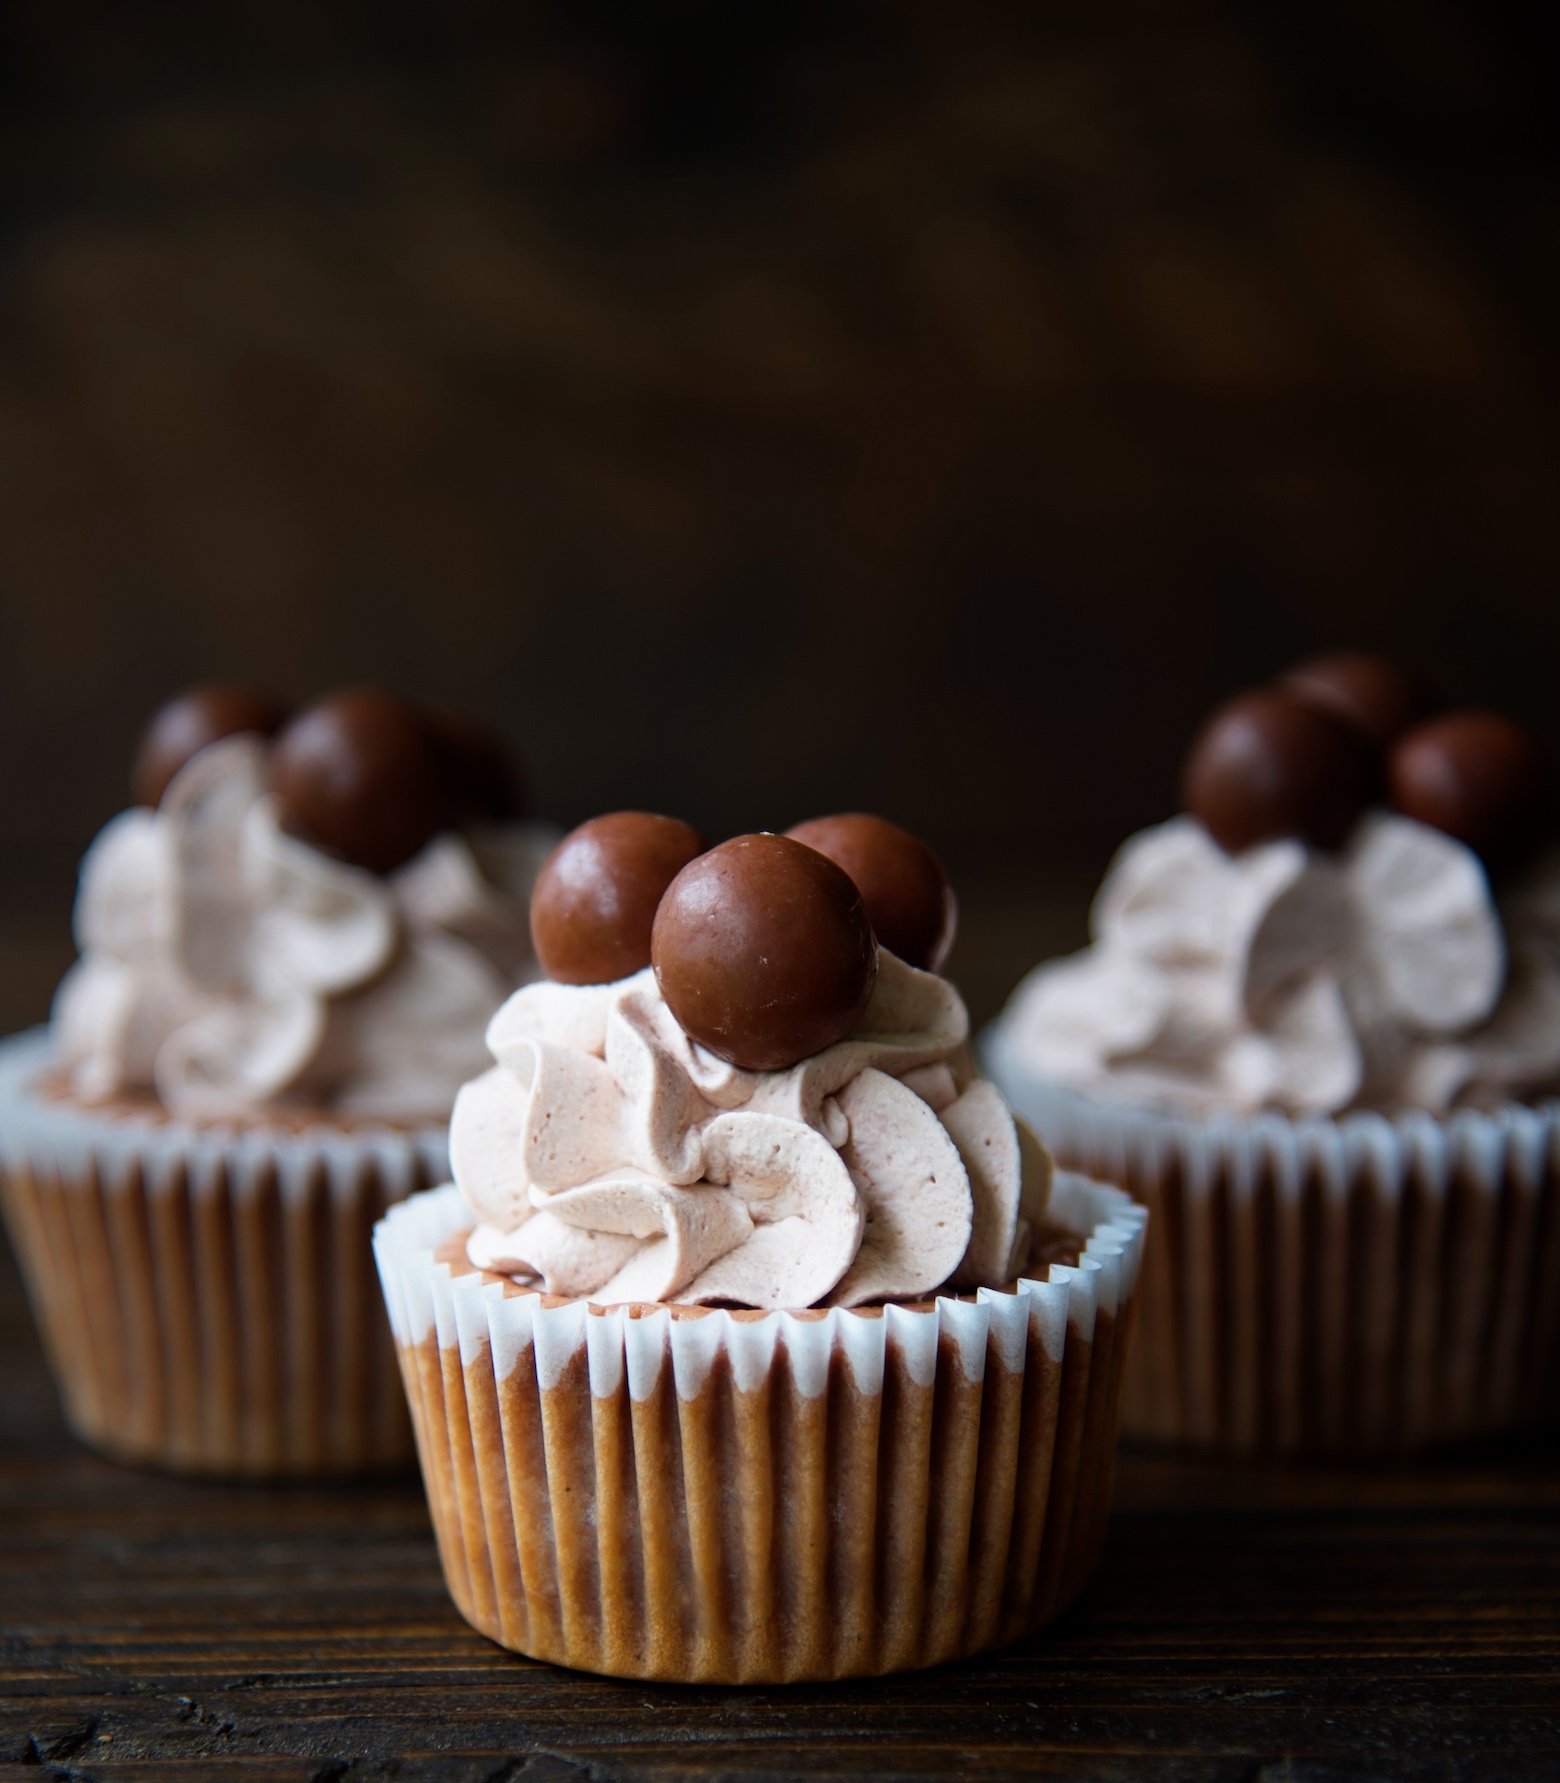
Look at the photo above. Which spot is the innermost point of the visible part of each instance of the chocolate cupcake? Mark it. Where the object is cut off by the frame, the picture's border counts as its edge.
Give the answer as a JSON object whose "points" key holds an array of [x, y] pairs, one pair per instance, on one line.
{"points": [[1316, 1033], [754, 1341], [289, 950]]}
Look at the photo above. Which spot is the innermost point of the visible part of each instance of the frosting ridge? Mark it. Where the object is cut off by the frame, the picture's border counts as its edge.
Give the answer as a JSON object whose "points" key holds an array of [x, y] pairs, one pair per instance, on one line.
{"points": [[226, 964], [608, 1154], [1384, 976]]}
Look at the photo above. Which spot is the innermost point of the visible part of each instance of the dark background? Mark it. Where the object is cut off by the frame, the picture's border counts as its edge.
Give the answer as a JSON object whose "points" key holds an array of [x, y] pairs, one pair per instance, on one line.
{"points": [[759, 409]]}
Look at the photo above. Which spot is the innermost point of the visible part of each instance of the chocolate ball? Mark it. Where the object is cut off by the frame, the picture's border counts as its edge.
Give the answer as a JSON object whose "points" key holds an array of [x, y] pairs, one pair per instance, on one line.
{"points": [[1377, 696], [1475, 775], [184, 727], [902, 883], [594, 902], [480, 772], [1268, 765], [357, 775], [763, 951]]}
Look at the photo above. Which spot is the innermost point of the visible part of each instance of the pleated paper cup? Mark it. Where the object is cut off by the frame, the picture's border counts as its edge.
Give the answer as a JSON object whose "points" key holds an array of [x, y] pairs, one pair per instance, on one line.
{"points": [[705, 1496], [1319, 1285], [206, 1295]]}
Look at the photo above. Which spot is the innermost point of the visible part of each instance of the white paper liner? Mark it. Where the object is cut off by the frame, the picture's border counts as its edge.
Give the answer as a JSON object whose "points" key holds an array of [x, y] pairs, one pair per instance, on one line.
{"points": [[1325, 1285], [206, 1295], [749, 1498]]}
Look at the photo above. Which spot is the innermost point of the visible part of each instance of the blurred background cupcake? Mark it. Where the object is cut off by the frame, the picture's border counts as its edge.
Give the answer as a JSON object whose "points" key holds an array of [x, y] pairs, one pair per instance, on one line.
{"points": [[290, 946], [1317, 1031], [757, 412]]}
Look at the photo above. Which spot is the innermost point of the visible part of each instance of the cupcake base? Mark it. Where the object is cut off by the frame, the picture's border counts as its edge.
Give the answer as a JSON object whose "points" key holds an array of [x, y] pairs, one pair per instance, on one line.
{"points": [[206, 1295], [1323, 1286], [710, 1497]]}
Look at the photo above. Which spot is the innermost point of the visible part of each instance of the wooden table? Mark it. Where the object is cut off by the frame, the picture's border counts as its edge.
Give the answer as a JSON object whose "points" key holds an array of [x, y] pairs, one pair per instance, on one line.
{"points": [[1246, 1625]]}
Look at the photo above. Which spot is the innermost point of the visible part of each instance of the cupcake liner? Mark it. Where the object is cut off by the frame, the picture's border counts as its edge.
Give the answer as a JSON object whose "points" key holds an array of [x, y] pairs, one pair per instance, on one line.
{"points": [[1319, 1285], [206, 1295], [706, 1496]]}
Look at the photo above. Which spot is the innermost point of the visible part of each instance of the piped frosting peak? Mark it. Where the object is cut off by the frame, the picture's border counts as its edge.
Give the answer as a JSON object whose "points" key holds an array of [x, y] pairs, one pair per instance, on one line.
{"points": [[609, 1155], [1384, 976], [227, 965]]}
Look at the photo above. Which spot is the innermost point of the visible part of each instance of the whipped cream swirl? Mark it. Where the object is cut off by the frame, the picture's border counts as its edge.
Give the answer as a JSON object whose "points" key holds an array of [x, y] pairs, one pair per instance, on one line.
{"points": [[1384, 977], [226, 965], [609, 1155]]}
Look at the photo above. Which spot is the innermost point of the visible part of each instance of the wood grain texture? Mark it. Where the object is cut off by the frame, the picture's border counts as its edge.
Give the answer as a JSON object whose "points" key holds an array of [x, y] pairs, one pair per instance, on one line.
{"points": [[1246, 1626]]}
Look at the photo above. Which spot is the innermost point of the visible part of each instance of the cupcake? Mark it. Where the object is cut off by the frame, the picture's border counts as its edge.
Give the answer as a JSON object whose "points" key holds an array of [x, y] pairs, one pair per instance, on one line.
{"points": [[290, 947], [754, 1340], [1316, 1033]]}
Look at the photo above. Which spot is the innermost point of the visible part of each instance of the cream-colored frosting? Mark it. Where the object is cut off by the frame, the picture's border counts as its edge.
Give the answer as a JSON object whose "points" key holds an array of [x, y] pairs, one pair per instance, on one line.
{"points": [[608, 1155], [1384, 976], [226, 965]]}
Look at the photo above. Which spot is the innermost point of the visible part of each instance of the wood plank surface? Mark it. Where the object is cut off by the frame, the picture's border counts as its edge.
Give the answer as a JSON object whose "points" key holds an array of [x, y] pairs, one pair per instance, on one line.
{"points": [[1246, 1626]]}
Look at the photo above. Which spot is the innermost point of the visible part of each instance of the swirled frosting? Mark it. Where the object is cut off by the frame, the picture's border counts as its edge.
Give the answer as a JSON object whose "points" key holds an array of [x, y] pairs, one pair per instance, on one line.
{"points": [[608, 1155], [1384, 976], [227, 966]]}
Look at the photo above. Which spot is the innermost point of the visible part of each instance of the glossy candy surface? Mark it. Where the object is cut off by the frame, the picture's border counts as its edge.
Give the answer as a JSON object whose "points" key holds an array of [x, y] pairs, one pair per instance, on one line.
{"points": [[357, 775], [902, 883], [1378, 696], [763, 951], [184, 727], [1476, 775], [594, 902], [1268, 765]]}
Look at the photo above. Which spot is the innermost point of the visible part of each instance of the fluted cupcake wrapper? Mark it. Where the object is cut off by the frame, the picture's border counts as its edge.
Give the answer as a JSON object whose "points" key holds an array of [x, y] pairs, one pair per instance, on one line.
{"points": [[206, 1295], [1356, 1284], [699, 1495]]}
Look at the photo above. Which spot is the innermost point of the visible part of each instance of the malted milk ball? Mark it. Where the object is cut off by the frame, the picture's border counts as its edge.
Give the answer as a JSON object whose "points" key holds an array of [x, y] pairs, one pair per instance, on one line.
{"points": [[902, 883], [1269, 765], [594, 902], [1477, 776], [481, 773], [763, 951], [183, 727], [1376, 695], [357, 775]]}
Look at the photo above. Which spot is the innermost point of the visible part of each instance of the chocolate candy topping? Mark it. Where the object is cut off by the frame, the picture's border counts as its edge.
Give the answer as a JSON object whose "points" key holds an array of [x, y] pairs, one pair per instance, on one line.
{"points": [[357, 775], [479, 770], [1475, 775], [1376, 695], [902, 883], [595, 900], [763, 951], [184, 727], [1268, 765]]}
